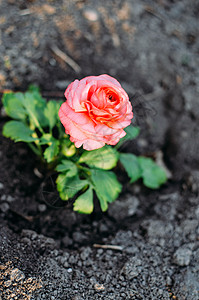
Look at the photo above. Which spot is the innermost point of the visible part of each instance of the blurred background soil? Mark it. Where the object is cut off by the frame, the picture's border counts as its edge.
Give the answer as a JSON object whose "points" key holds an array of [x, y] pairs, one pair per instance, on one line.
{"points": [[152, 48]]}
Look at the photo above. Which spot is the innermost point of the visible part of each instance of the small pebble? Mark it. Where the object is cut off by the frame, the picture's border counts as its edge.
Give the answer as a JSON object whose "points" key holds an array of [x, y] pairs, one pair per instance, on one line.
{"points": [[197, 212], [41, 207], [29, 233], [91, 15], [169, 280], [67, 241], [26, 241], [1, 186], [124, 208], [10, 198], [103, 228], [142, 143], [77, 297], [4, 207], [3, 197], [99, 287], [85, 253], [17, 275], [70, 270], [182, 257], [79, 237], [7, 283], [52, 62]]}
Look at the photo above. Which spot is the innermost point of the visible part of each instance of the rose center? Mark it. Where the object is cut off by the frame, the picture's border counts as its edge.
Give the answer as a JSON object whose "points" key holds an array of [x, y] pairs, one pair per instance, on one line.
{"points": [[111, 97]]}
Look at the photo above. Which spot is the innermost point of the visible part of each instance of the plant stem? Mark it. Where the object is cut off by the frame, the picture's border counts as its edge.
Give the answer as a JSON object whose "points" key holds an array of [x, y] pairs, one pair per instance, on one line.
{"points": [[35, 149], [86, 170], [60, 130]]}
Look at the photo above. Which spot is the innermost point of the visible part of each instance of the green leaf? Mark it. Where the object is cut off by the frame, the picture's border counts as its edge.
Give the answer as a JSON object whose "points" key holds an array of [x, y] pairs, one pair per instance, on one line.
{"points": [[131, 133], [153, 175], [51, 113], [68, 167], [51, 152], [40, 105], [131, 164], [106, 186], [46, 138], [104, 158], [69, 186], [18, 132], [84, 203], [13, 104], [30, 105], [33, 88], [67, 147]]}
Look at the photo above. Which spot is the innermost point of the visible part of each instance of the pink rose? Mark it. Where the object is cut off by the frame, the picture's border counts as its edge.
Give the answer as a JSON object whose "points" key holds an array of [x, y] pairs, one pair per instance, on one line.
{"points": [[95, 112]]}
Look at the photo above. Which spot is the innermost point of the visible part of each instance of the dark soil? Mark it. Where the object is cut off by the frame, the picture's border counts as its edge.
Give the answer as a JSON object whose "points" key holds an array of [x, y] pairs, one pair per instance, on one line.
{"points": [[46, 250]]}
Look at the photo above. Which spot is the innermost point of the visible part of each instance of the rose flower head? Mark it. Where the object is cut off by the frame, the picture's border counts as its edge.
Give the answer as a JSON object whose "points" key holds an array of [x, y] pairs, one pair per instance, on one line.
{"points": [[95, 112]]}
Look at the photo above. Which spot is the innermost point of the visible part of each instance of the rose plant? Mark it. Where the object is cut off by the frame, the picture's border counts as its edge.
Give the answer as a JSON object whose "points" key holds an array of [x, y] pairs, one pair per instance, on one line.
{"points": [[96, 117]]}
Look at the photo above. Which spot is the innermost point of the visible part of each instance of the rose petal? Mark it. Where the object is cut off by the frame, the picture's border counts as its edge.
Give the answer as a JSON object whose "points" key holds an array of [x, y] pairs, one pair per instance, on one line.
{"points": [[93, 144], [77, 125], [109, 79]]}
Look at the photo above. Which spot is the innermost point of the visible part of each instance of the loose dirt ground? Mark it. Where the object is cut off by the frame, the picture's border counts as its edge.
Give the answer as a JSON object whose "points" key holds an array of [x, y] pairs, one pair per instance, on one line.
{"points": [[152, 48]]}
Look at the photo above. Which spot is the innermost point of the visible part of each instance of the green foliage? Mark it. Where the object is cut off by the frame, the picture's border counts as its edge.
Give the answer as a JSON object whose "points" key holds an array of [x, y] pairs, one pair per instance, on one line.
{"points": [[18, 132], [104, 158], [131, 164], [34, 119], [153, 175], [67, 148], [69, 186], [131, 133], [69, 183], [34, 108], [13, 104], [81, 174], [51, 152], [50, 112], [84, 203], [141, 167], [106, 186], [103, 182], [67, 166], [33, 88], [46, 139]]}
